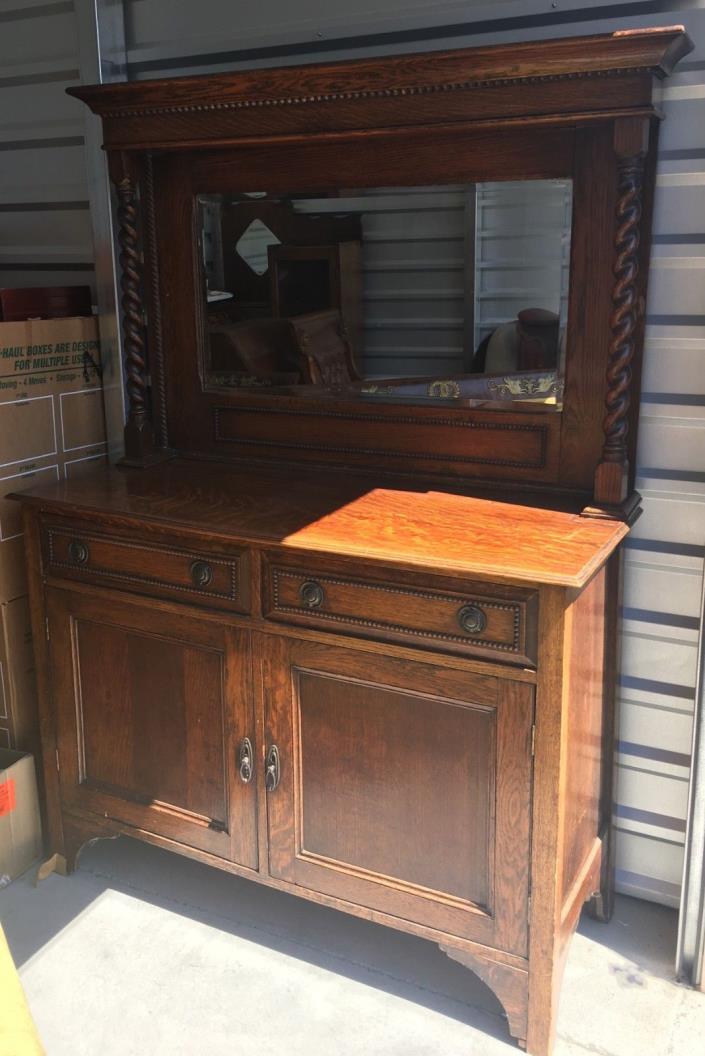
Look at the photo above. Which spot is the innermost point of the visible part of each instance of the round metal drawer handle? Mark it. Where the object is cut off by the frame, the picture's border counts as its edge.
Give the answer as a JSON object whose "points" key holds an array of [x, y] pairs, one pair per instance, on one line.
{"points": [[78, 552], [472, 619], [201, 573], [311, 594]]}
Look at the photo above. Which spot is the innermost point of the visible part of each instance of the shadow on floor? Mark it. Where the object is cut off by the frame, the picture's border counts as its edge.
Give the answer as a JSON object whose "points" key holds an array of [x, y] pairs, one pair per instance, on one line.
{"points": [[642, 932], [391, 961]]}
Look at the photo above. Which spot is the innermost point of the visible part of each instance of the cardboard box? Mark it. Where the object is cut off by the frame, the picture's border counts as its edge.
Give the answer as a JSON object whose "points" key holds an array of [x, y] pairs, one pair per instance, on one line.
{"points": [[51, 419], [18, 691], [20, 827]]}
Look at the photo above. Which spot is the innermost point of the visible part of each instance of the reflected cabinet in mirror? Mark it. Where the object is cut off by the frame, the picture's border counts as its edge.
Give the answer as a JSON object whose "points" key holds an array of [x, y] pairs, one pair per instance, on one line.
{"points": [[455, 294]]}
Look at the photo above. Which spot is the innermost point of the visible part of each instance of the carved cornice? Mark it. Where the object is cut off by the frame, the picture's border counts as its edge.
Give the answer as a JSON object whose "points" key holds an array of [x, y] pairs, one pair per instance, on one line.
{"points": [[612, 56], [381, 93]]}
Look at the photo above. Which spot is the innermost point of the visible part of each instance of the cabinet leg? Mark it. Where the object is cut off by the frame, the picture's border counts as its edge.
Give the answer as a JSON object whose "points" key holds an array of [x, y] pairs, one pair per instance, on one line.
{"points": [[600, 905], [79, 834], [544, 991], [509, 985], [56, 863]]}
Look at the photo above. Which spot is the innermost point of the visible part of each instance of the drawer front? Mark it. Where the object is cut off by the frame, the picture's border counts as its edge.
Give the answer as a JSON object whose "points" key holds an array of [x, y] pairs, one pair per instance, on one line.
{"points": [[155, 568], [472, 622]]}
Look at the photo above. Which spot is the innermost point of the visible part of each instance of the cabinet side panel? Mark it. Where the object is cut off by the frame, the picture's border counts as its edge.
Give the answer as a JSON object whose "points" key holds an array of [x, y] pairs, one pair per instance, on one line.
{"points": [[585, 642]]}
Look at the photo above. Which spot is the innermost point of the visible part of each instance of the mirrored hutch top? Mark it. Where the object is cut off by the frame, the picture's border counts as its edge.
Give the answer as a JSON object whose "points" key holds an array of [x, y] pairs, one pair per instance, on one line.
{"points": [[430, 265]]}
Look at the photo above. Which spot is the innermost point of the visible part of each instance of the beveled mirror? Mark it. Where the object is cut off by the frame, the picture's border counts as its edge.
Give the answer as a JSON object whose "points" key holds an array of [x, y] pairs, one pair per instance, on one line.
{"points": [[454, 294]]}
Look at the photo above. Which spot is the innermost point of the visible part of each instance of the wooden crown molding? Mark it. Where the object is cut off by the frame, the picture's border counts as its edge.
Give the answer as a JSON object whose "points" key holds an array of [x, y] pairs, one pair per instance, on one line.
{"points": [[654, 52]]}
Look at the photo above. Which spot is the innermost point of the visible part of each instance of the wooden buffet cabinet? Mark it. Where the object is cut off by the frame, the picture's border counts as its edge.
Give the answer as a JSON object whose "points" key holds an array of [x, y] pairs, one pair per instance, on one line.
{"points": [[360, 651]]}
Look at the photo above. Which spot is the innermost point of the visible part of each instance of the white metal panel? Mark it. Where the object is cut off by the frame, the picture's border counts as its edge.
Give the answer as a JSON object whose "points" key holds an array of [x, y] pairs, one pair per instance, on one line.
{"points": [[32, 103], [23, 174], [51, 38], [45, 234], [674, 364]]}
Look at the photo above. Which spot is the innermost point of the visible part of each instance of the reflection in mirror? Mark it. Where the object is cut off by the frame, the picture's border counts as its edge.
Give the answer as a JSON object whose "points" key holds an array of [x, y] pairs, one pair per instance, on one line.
{"points": [[253, 246], [451, 294]]}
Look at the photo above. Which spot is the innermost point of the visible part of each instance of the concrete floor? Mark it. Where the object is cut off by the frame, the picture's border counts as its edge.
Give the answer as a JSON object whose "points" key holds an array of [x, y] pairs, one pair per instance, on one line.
{"points": [[143, 953]]}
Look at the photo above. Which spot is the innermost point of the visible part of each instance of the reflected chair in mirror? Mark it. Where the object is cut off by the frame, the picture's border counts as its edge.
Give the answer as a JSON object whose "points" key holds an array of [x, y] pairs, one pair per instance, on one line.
{"points": [[529, 342], [537, 329], [307, 278], [322, 341]]}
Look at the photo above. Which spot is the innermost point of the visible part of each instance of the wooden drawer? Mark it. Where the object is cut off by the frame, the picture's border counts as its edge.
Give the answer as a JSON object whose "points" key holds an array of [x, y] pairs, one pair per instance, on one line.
{"points": [[477, 619], [148, 566]]}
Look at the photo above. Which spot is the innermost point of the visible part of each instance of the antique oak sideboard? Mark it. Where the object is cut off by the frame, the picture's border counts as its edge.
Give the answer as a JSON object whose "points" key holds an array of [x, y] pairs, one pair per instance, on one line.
{"points": [[352, 633]]}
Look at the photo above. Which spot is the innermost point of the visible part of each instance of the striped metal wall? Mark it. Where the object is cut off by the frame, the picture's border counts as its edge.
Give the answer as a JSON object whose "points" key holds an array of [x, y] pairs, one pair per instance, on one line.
{"points": [[45, 226], [664, 566], [54, 204]]}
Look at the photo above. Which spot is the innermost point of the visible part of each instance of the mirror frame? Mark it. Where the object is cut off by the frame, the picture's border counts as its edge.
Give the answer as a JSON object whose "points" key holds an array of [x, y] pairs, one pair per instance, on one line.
{"points": [[581, 108]]}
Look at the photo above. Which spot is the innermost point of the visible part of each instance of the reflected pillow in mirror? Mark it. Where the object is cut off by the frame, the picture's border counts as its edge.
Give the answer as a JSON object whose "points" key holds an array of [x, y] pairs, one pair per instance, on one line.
{"points": [[323, 344]]}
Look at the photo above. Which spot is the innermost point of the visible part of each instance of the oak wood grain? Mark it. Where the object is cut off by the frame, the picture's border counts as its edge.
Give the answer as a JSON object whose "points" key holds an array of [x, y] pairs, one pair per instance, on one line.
{"points": [[428, 611], [540, 77], [148, 718], [509, 984], [402, 734], [585, 654], [348, 516]]}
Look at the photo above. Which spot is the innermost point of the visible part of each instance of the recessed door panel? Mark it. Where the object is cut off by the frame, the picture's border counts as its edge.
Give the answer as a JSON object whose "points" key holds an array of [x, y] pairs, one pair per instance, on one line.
{"points": [[151, 709], [151, 714], [372, 801], [401, 786]]}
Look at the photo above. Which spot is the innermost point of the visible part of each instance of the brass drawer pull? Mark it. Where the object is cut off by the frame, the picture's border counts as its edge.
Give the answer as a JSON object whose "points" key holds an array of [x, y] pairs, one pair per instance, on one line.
{"points": [[78, 552], [311, 594], [472, 619], [244, 758], [272, 772], [201, 573]]}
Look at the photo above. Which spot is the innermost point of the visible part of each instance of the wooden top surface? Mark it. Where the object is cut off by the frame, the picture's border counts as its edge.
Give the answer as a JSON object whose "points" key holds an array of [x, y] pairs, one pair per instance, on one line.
{"points": [[347, 515]]}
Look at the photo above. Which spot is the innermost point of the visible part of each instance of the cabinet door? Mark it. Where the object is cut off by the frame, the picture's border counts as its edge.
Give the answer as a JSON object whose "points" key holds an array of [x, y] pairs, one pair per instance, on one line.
{"points": [[403, 787], [151, 709]]}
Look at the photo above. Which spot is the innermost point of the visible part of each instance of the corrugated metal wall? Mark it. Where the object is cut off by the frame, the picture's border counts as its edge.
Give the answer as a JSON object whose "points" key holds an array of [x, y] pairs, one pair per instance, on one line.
{"points": [[664, 566], [45, 226]]}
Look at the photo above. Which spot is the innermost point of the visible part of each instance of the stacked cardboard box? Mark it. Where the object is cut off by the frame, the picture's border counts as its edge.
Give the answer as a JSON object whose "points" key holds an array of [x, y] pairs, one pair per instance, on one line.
{"points": [[20, 827], [51, 426]]}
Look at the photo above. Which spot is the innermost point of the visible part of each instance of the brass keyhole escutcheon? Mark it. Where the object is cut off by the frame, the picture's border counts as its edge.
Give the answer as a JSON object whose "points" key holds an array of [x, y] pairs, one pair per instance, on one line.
{"points": [[472, 619], [201, 573], [272, 771], [78, 552], [245, 760], [311, 594]]}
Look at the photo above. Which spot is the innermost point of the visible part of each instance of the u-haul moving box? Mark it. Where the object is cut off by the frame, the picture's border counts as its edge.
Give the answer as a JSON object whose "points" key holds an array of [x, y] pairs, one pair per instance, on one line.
{"points": [[51, 426], [20, 828]]}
